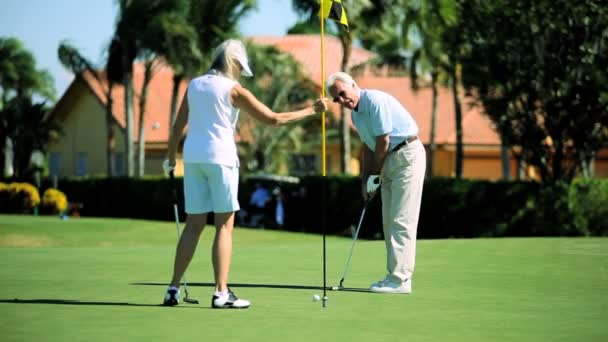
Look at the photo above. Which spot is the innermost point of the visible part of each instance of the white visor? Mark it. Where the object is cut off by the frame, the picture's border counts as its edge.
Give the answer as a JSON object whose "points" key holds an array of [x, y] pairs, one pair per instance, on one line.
{"points": [[245, 64], [235, 49]]}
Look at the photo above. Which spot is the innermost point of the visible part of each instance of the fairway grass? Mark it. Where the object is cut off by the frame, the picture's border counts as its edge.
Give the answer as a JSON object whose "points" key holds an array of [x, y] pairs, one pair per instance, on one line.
{"points": [[89, 279]]}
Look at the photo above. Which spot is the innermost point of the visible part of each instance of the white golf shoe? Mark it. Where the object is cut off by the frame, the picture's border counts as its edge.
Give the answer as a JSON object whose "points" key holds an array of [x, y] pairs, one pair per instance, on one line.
{"points": [[171, 297], [379, 283], [390, 286], [229, 301]]}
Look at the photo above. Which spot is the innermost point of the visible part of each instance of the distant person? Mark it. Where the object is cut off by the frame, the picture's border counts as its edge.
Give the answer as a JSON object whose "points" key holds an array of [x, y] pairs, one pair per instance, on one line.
{"points": [[279, 209], [394, 160], [260, 198], [211, 166]]}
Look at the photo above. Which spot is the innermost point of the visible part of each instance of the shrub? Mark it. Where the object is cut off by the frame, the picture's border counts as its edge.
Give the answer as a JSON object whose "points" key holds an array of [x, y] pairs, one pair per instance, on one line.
{"points": [[451, 208], [4, 197], [53, 202], [18, 197], [588, 199]]}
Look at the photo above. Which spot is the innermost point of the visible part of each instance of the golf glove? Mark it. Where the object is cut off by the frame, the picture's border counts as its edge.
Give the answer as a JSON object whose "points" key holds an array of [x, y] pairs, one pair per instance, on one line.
{"points": [[373, 182], [167, 167]]}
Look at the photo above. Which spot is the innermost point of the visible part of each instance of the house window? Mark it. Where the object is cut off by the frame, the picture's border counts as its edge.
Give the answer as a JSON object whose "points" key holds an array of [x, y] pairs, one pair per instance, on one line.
{"points": [[82, 164], [55, 164], [119, 164]]}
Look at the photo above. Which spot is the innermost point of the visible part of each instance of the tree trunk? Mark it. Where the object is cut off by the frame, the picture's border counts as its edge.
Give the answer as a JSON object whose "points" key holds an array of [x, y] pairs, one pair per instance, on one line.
{"points": [[591, 167], [8, 169], [177, 80], [506, 160], [432, 145], [141, 134], [586, 163], [458, 118], [558, 159], [521, 168], [347, 41], [129, 119], [110, 142]]}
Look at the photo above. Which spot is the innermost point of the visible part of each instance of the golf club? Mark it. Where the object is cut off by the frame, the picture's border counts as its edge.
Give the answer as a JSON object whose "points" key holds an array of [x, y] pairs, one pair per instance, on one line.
{"points": [[352, 248], [186, 299]]}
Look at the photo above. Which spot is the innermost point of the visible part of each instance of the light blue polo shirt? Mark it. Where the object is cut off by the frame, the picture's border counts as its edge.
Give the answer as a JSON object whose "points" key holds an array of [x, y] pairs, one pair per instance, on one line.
{"points": [[380, 113]]}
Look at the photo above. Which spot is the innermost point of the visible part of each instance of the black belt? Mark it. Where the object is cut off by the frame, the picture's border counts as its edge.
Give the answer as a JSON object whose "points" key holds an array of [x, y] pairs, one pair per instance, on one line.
{"points": [[405, 143]]}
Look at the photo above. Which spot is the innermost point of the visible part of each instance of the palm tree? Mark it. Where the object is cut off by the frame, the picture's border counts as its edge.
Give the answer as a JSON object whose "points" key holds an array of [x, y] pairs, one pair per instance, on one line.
{"points": [[151, 65], [19, 80], [167, 38], [33, 131], [141, 31], [181, 52], [269, 148], [119, 69], [190, 43], [72, 59]]}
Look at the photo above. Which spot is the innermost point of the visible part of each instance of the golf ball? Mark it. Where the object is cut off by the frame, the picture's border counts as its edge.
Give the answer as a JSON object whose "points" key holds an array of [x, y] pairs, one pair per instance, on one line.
{"points": [[316, 298]]}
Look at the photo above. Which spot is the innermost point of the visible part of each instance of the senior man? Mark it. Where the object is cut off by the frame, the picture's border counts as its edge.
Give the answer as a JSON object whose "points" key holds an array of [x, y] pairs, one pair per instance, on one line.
{"points": [[394, 160]]}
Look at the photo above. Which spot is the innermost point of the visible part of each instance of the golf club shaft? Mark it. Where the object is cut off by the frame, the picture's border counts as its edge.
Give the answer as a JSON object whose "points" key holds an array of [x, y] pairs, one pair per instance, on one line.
{"points": [[352, 247]]}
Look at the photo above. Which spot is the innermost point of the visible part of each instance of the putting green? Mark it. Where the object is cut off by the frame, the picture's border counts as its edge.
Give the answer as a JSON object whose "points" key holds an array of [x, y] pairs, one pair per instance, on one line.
{"points": [[89, 279]]}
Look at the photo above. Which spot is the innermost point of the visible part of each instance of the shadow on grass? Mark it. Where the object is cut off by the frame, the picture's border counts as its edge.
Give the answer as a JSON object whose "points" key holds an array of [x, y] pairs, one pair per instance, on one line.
{"points": [[268, 286], [78, 302]]}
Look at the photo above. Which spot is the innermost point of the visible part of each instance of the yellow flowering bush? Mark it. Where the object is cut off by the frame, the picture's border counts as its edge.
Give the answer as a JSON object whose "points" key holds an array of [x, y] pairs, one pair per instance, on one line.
{"points": [[19, 197], [54, 201]]}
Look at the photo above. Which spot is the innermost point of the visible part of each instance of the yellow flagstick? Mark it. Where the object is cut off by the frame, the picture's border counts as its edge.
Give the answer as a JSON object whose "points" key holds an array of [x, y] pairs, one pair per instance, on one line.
{"points": [[323, 165], [323, 148]]}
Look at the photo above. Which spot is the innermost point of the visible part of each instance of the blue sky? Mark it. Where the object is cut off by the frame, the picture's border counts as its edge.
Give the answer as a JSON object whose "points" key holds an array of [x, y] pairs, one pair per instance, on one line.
{"points": [[88, 24]]}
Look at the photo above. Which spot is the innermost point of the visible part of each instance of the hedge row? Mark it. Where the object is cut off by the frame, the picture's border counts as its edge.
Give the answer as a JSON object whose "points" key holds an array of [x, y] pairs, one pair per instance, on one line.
{"points": [[451, 208]]}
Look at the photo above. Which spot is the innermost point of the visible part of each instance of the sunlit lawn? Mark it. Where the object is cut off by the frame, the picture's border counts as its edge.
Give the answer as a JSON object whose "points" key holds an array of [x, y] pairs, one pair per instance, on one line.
{"points": [[88, 279]]}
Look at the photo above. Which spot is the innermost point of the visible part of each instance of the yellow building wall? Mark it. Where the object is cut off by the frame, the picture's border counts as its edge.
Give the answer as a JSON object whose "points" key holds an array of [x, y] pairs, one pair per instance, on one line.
{"points": [[443, 163], [84, 125], [154, 163], [478, 163]]}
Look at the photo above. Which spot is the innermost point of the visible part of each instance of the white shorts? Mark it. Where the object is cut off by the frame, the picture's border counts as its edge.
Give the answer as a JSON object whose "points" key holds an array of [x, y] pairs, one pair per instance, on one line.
{"points": [[210, 188]]}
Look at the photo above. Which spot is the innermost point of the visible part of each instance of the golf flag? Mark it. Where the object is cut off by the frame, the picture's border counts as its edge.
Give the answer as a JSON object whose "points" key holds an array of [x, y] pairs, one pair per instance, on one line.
{"points": [[333, 9]]}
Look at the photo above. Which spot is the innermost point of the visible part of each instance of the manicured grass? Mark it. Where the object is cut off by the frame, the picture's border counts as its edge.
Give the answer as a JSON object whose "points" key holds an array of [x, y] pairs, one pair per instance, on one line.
{"points": [[89, 279]]}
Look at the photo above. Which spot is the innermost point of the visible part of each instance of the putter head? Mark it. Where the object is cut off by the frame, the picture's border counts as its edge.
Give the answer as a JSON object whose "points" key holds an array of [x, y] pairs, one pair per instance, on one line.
{"points": [[190, 300]]}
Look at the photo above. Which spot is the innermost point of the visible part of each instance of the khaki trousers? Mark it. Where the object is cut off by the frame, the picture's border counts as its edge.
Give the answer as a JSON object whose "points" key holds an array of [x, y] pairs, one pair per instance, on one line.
{"points": [[402, 181]]}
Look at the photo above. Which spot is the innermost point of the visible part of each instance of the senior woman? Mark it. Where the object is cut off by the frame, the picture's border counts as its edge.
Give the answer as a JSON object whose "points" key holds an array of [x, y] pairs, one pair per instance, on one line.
{"points": [[210, 108]]}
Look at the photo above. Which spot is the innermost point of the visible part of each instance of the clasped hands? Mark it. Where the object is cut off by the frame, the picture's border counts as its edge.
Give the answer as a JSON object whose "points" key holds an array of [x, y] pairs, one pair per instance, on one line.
{"points": [[321, 105]]}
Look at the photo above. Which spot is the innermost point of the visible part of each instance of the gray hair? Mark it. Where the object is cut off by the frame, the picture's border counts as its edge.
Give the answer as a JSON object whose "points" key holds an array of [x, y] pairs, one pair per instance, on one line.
{"points": [[227, 57], [341, 76]]}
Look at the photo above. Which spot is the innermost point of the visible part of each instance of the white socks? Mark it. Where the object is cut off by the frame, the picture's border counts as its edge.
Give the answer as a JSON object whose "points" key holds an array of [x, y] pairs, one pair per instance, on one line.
{"points": [[221, 294]]}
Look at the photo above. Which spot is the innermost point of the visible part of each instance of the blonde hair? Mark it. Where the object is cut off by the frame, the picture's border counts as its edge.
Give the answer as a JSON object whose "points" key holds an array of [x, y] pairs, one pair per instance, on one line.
{"points": [[341, 76], [225, 58]]}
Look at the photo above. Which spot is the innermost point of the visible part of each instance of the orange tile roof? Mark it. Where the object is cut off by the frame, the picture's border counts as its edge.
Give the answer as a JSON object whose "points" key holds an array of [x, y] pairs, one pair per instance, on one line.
{"points": [[477, 128], [306, 48], [158, 103]]}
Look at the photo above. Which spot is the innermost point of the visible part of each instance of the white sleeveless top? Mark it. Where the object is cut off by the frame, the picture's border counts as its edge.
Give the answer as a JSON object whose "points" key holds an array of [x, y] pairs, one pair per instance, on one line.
{"points": [[211, 121]]}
